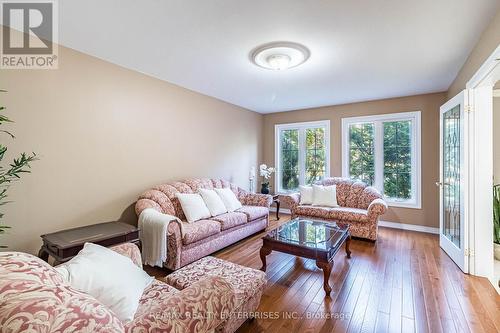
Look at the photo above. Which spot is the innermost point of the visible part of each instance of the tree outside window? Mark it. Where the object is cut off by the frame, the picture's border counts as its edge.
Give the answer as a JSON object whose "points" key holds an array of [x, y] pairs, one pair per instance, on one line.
{"points": [[302, 154], [383, 151]]}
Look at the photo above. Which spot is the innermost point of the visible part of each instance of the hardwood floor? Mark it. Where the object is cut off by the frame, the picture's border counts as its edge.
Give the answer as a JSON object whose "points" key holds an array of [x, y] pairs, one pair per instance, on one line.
{"points": [[402, 283]]}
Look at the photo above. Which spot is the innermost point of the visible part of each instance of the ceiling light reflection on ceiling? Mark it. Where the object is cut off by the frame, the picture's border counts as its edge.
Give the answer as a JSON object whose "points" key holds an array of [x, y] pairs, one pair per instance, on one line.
{"points": [[280, 55]]}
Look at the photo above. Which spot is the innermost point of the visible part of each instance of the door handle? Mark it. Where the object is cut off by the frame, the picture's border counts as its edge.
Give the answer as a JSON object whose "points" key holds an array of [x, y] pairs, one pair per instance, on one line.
{"points": [[438, 184]]}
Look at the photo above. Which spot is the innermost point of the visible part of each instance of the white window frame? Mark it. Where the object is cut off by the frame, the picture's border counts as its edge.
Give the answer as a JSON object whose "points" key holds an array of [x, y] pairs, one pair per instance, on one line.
{"points": [[302, 149], [378, 120]]}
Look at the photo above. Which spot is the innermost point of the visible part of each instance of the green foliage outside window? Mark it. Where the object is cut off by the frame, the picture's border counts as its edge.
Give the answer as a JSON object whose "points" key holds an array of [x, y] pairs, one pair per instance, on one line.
{"points": [[397, 159], [315, 154], [397, 156], [289, 159], [362, 155]]}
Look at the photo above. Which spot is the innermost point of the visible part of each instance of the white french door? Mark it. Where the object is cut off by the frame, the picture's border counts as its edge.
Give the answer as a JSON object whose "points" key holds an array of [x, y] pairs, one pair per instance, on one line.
{"points": [[453, 180]]}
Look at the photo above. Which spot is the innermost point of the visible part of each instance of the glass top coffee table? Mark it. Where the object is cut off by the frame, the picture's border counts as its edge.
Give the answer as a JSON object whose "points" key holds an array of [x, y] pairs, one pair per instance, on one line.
{"points": [[311, 239]]}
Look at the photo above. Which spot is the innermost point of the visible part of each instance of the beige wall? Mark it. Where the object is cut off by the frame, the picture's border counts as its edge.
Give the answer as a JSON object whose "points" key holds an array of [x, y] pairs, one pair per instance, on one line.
{"points": [[428, 104], [488, 42], [104, 134]]}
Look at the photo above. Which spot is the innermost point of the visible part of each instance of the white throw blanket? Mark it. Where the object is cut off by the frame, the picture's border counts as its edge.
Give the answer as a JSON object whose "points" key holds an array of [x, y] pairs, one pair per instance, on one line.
{"points": [[153, 234]]}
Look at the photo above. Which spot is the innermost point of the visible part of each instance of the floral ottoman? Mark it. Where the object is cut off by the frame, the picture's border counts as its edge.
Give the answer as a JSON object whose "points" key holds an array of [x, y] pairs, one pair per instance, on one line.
{"points": [[248, 285]]}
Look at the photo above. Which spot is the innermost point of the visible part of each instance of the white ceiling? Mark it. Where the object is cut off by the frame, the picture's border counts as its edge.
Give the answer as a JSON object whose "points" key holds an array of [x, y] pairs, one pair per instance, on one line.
{"points": [[360, 50]]}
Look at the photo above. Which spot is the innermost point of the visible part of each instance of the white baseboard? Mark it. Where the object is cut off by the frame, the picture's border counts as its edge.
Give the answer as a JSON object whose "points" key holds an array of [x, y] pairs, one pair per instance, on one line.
{"points": [[386, 224], [411, 227]]}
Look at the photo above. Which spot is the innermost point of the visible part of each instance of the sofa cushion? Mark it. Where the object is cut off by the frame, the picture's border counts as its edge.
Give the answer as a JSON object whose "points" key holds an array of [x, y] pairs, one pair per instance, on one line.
{"points": [[230, 220], [349, 214], [314, 211], [94, 269], [35, 298], [199, 230], [339, 213], [254, 212], [245, 281]]}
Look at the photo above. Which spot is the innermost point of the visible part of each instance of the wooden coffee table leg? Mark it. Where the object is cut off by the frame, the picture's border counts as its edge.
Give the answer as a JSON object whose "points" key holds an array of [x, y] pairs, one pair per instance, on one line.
{"points": [[347, 244], [264, 251], [327, 269]]}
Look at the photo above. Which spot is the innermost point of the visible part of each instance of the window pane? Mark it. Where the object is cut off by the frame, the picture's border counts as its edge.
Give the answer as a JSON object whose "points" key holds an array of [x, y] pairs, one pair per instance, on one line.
{"points": [[315, 154], [289, 143], [361, 152], [397, 159]]}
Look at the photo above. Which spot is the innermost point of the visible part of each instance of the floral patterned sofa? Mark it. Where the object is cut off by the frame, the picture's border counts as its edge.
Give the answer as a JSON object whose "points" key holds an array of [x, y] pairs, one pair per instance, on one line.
{"points": [[211, 295], [360, 207], [206, 236]]}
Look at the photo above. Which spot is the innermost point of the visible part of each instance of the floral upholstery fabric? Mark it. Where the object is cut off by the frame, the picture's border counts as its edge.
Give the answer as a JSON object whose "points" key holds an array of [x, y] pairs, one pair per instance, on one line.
{"points": [[163, 199], [129, 250], [247, 284], [230, 220], [361, 207], [199, 230], [195, 251], [34, 298], [254, 212], [151, 305], [255, 199], [349, 214]]}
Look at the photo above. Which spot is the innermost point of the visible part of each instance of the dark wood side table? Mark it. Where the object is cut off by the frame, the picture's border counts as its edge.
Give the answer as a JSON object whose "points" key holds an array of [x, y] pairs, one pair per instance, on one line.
{"points": [[64, 245], [276, 200]]}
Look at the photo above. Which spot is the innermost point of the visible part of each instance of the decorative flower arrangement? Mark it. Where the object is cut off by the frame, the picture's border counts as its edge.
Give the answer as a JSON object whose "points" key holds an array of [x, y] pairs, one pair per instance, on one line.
{"points": [[265, 172]]}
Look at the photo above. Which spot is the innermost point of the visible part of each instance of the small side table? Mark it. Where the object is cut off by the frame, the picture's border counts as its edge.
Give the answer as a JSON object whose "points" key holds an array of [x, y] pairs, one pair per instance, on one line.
{"points": [[64, 245], [276, 200]]}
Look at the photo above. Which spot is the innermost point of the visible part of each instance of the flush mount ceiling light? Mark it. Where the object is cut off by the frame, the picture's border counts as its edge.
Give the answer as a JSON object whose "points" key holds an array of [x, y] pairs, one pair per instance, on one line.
{"points": [[280, 55]]}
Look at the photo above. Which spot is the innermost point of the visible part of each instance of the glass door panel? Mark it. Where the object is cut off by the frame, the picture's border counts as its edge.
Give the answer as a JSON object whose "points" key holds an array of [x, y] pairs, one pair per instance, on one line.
{"points": [[451, 175], [452, 181]]}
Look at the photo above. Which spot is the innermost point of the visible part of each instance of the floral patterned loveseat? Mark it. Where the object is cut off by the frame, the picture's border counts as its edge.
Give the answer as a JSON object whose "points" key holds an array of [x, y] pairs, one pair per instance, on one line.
{"points": [[34, 297], [206, 236], [360, 207]]}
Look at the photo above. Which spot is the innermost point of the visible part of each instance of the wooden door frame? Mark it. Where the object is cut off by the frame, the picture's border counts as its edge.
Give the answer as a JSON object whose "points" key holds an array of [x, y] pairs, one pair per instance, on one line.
{"points": [[480, 143]]}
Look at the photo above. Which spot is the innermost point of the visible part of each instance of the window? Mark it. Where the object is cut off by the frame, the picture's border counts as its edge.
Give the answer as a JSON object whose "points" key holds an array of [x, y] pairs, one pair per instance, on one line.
{"points": [[384, 151], [302, 154]]}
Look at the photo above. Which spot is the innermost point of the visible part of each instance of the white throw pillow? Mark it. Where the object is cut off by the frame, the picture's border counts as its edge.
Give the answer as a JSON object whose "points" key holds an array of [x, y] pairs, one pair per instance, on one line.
{"points": [[325, 195], [229, 199], [213, 202], [193, 206], [306, 195], [113, 279]]}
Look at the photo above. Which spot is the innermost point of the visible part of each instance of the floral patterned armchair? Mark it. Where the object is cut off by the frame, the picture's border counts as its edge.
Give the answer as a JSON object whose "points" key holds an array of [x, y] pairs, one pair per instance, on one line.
{"points": [[35, 298]]}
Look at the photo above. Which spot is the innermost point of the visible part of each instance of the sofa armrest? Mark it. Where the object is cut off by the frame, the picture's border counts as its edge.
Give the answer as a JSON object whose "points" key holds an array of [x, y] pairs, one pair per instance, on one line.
{"points": [[291, 200], [200, 307], [255, 199], [376, 208], [129, 250]]}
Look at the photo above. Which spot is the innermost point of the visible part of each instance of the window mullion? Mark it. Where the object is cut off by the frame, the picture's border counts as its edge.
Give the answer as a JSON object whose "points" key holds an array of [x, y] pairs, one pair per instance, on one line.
{"points": [[302, 155], [379, 156]]}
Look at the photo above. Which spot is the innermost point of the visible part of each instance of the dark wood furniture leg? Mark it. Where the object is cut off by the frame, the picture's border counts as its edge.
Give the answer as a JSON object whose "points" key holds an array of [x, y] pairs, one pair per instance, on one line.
{"points": [[347, 244], [327, 269], [264, 251], [278, 209], [43, 254]]}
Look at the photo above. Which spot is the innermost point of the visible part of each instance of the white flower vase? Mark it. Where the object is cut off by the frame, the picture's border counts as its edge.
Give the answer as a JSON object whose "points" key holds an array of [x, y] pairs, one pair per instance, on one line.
{"points": [[496, 250]]}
